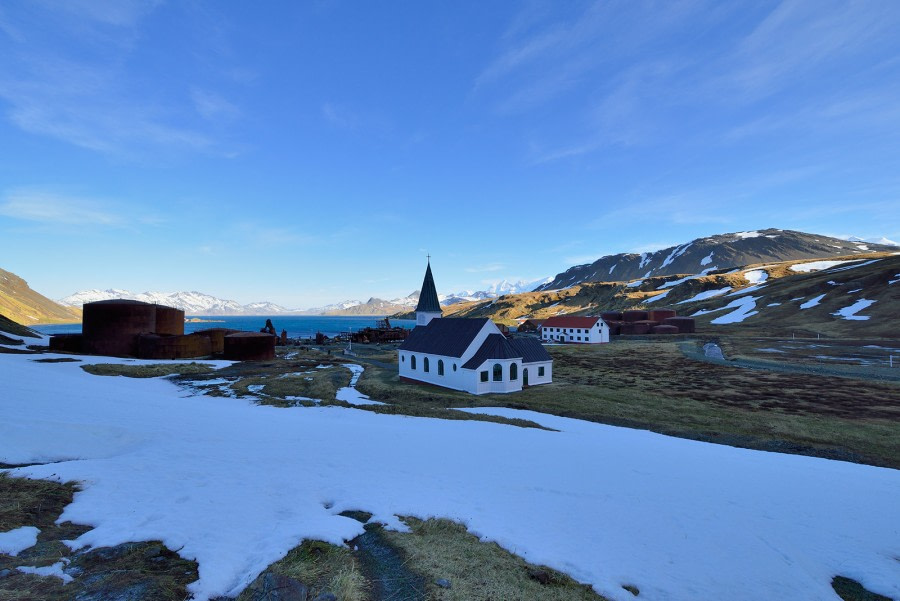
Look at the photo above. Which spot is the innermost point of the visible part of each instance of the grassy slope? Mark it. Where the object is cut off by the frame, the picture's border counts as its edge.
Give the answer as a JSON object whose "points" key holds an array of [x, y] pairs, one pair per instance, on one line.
{"points": [[654, 386], [22, 304]]}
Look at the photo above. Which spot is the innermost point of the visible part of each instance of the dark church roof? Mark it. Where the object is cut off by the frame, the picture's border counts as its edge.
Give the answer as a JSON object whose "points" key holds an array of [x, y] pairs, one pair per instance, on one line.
{"points": [[497, 346], [449, 337], [530, 349], [428, 297]]}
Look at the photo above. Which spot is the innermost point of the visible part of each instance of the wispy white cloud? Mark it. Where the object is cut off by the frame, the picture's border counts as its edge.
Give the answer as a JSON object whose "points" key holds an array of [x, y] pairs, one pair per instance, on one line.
{"points": [[50, 208], [212, 106], [77, 83]]}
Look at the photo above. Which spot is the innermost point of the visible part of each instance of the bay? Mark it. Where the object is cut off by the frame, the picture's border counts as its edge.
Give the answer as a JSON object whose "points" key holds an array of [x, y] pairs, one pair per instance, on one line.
{"points": [[297, 326]]}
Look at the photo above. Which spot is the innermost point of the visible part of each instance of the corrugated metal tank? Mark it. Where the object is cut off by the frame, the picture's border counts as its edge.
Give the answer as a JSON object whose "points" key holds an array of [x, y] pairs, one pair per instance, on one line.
{"points": [[249, 346]]}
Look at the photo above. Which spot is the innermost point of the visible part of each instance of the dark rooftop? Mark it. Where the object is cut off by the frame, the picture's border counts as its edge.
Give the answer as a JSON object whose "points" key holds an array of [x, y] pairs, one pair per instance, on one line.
{"points": [[449, 337]]}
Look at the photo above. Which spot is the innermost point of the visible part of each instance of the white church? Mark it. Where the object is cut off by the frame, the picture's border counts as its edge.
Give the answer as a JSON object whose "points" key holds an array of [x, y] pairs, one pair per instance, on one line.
{"points": [[469, 354]]}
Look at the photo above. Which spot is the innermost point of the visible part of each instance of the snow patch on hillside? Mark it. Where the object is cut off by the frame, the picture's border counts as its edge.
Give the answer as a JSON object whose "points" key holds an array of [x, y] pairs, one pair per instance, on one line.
{"points": [[660, 296], [743, 308], [851, 311], [756, 276], [706, 294], [676, 252], [812, 302], [818, 265], [707, 259]]}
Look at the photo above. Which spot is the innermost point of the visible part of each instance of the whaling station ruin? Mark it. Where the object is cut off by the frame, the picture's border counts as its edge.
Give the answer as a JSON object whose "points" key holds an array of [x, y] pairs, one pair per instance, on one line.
{"points": [[127, 328], [469, 354]]}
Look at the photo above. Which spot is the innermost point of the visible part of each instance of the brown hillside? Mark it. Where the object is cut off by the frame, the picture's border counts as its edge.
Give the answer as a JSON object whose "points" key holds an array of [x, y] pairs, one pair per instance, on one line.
{"points": [[777, 300], [20, 303]]}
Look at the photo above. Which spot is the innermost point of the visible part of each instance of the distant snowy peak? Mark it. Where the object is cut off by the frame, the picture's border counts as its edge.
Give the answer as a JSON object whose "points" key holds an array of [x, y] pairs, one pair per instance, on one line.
{"points": [[192, 303], [722, 251]]}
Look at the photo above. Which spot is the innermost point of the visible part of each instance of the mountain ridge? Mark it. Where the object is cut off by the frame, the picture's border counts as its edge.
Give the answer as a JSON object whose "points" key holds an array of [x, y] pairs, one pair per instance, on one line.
{"points": [[711, 253], [21, 304]]}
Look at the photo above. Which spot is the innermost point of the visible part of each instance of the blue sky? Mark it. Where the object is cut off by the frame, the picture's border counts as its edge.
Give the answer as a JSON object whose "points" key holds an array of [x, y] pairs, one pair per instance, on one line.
{"points": [[306, 153]]}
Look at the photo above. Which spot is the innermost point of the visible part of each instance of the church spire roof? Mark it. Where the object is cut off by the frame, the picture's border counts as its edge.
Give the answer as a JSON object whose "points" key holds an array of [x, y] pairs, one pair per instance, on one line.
{"points": [[428, 298]]}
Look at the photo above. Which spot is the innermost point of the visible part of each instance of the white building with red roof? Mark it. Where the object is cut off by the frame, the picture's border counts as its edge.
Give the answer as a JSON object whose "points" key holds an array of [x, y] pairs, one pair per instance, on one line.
{"points": [[577, 329]]}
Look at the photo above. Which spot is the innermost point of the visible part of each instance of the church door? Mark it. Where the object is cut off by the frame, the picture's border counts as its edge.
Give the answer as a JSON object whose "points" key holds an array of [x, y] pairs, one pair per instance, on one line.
{"points": [[524, 377]]}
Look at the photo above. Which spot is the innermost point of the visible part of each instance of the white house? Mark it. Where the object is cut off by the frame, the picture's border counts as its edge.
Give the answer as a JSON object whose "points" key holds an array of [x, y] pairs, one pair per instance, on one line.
{"points": [[468, 354], [584, 330]]}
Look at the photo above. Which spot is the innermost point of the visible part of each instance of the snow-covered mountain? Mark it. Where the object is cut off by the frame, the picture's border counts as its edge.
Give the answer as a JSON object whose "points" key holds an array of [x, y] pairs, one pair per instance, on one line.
{"points": [[197, 303], [703, 255], [493, 291], [192, 303]]}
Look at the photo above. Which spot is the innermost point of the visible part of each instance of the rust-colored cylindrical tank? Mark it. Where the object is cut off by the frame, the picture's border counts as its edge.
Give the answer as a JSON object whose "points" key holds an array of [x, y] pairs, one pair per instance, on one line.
{"points": [[685, 325], [216, 337], [611, 316], [615, 327], [663, 329], [169, 321], [249, 346], [661, 314], [66, 343], [634, 315], [154, 346], [111, 327]]}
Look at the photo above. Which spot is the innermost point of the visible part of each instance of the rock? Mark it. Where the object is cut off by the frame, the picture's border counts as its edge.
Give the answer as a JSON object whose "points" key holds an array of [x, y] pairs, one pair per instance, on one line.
{"points": [[269, 586], [443, 583], [153, 551], [5, 573], [326, 596], [542, 576]]}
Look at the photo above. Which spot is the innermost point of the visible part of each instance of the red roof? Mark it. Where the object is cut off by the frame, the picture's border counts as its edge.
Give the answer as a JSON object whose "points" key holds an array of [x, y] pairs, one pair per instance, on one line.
{"points": [[564, 321]]}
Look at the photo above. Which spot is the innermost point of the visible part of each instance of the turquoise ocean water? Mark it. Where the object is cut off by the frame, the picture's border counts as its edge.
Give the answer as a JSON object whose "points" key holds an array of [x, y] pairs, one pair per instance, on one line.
{"points": [[297, 326]]}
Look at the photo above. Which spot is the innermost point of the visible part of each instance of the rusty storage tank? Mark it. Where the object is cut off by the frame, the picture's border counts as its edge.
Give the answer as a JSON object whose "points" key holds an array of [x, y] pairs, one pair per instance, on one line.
{"points": [[634, 315], [249, 346], [615, 327], [685, 325], [641, 327], [661, 314], [66, 343], [649, 323], [216, 337], [664, 329], [169, 321], [111, 327], [611, 316], [154, 346]]}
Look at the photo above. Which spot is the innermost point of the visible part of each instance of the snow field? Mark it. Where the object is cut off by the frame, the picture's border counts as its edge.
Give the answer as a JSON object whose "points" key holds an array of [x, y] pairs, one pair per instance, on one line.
{"points": [[235, 485]]}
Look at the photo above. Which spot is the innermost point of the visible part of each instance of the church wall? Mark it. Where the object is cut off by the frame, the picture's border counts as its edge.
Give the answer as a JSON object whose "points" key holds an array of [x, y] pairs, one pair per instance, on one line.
{"points": [[461, 379]]}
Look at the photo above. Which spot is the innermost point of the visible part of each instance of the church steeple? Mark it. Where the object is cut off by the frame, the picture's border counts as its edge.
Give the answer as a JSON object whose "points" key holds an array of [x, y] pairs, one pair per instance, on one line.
{"points": [[429, 306]]}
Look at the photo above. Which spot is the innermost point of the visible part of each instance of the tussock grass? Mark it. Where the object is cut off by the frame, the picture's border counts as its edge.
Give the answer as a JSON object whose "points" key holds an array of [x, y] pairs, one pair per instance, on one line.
{"points": [[440, 548], [147, 569], [25, 502], [154, 370], [323, 568]]}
